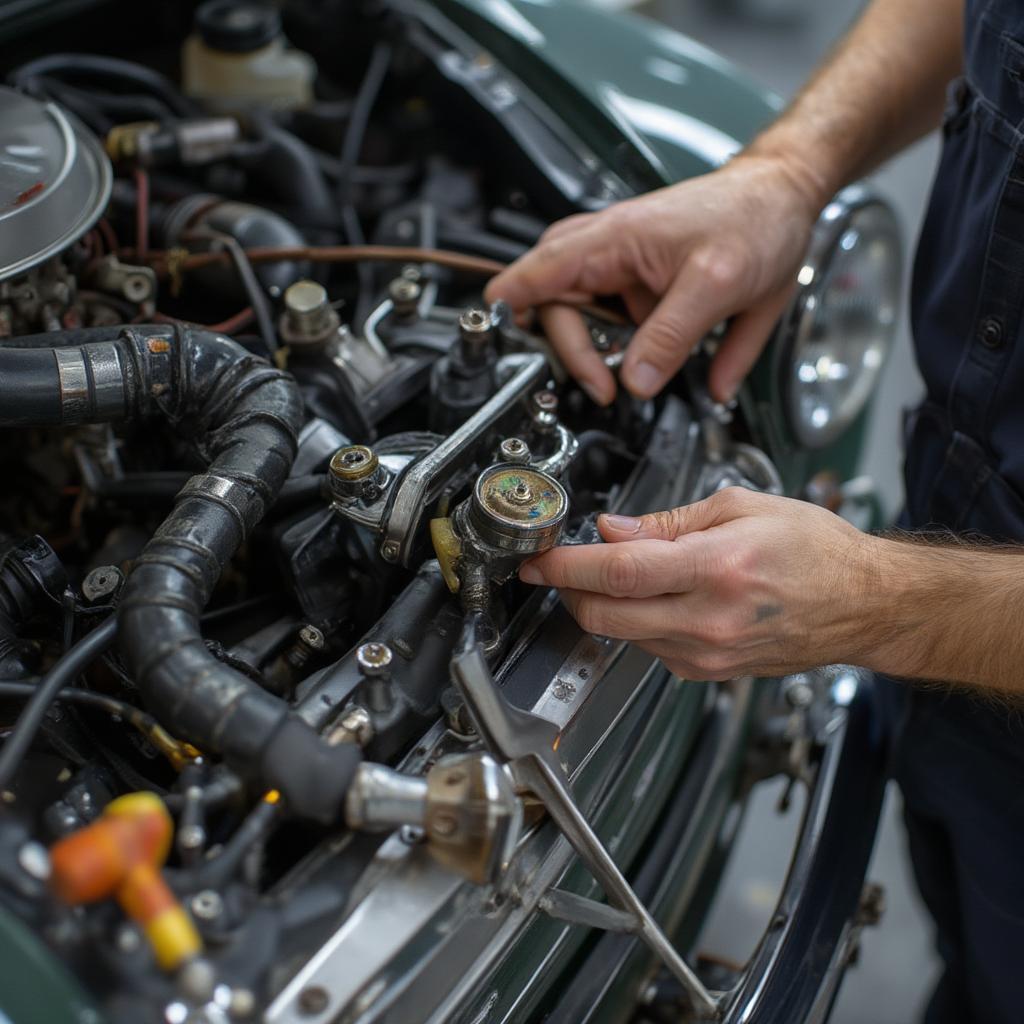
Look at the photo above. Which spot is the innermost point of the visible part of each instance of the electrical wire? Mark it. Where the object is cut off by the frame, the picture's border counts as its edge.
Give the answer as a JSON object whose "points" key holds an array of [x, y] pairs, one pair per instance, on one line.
{"points": [[67, 668], [250, 283], [351, 147]]}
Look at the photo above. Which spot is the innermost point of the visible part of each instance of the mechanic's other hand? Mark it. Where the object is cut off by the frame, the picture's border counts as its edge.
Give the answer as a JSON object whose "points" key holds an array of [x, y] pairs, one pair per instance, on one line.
{"points": [[683, 258], [739, 583]]}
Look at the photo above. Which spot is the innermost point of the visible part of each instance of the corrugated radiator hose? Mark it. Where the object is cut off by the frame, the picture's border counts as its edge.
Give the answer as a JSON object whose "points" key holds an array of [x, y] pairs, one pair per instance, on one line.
{"points": [[243, 416]]}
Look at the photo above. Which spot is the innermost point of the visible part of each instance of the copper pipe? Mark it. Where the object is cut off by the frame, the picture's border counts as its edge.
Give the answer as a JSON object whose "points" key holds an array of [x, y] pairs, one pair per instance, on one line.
{"points": [[168, 262]]}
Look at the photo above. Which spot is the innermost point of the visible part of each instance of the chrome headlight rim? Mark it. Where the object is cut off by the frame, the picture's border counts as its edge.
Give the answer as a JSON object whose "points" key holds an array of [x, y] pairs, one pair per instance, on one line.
{"points": [[798, 322]]}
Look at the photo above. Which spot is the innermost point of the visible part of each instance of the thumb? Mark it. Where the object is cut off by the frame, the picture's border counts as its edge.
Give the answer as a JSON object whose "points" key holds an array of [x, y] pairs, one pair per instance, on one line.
{"points": [[731, 503]]}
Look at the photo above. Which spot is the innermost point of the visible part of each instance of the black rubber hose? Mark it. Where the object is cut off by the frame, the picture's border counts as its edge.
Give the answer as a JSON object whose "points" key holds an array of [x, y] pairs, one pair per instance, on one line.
{"points": [[63, 672], [281, 161], [78, 66], [243, 416]]}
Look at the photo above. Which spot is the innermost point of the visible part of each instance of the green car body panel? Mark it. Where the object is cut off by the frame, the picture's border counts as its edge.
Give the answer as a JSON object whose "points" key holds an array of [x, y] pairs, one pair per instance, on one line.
{"points": [[657, 108]]}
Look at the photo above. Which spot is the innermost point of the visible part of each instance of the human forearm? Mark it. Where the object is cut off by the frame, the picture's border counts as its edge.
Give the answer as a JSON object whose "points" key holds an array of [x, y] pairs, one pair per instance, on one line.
{"points": [[881, 88], [953, 613]]}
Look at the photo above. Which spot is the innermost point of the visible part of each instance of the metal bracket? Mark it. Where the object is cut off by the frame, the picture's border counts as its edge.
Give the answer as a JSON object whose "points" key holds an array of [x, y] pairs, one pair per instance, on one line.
{"points": [[527, 744]]}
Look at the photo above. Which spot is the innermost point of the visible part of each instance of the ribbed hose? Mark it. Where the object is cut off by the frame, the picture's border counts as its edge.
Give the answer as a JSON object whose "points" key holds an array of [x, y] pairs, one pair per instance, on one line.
{"points": [[243, 416]]}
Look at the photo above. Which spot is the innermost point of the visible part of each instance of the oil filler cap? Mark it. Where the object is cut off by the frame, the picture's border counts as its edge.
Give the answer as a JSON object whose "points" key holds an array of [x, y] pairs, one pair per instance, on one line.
{"points": [[518, 509]]}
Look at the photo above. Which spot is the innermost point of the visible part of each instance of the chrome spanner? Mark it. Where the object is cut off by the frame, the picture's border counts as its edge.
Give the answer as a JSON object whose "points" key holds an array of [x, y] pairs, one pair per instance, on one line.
{"points": [[526, 743]]}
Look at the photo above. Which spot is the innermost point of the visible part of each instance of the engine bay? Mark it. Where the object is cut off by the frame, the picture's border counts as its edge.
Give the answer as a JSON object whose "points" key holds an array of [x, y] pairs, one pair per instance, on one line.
{"points": [[273, 466]]}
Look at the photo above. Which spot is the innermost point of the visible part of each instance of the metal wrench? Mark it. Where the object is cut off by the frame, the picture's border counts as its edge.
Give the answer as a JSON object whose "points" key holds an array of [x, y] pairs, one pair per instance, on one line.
{"points": [[526, 743]]}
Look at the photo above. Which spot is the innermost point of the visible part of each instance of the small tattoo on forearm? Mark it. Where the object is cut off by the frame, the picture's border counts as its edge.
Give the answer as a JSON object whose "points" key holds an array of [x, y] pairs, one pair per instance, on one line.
{"points": [[768, 611]]}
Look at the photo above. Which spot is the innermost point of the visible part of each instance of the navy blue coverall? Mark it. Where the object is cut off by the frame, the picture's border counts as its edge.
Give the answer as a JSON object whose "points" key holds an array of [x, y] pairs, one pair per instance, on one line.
{"points": [[959, 758]]}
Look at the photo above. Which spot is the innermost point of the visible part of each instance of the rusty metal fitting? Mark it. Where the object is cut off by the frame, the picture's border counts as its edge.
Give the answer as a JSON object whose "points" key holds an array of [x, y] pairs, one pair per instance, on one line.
{"points": [[308, 321], [544, 411], [405, 293], [354, 726], [476, 331], [355, 470], [515, 450]]}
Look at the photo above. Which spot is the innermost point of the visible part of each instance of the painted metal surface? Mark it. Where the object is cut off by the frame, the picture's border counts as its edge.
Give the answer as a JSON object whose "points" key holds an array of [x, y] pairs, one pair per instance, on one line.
{"points": [[637, 90]]}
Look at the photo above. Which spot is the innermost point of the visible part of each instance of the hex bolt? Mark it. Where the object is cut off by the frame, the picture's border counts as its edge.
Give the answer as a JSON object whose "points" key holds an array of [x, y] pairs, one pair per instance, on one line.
{"points": [[207, 905], [516, 450], [405, 293], [102, 584]]}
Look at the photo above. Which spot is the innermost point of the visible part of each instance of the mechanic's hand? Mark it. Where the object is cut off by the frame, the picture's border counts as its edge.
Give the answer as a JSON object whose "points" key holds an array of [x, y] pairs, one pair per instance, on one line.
{"points": [[739, 583], [684, 258]]}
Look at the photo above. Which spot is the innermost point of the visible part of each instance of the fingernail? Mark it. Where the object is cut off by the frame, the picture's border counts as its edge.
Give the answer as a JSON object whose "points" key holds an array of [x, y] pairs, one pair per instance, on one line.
{"points": [[644, 378], [530, 574], [621, 524]]}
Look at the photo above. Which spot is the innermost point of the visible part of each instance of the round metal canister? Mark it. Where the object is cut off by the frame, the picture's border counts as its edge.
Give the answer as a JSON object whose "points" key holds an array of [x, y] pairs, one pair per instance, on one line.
{"points": [[54, 181], [518, 509]]}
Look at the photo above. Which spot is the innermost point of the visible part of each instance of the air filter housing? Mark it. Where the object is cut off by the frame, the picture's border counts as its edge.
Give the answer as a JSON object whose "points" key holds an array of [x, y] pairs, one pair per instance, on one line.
{"points": [[54, 181]]}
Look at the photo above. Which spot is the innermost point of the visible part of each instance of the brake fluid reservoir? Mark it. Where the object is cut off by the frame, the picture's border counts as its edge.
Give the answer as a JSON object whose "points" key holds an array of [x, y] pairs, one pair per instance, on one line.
{"points": [[238, 58]]}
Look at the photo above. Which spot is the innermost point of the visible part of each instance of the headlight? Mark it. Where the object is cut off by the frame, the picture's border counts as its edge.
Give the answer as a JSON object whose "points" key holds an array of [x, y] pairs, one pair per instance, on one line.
{"points": [[838, 330]]}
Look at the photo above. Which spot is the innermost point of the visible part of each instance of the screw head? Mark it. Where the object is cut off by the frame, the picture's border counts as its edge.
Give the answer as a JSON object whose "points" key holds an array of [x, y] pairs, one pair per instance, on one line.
{"points": [[545, 401], [515, 449], [207, 905], [102, 583], [312, 638], [353, 462], [374, 659], [313, 1000], [389, 551]]}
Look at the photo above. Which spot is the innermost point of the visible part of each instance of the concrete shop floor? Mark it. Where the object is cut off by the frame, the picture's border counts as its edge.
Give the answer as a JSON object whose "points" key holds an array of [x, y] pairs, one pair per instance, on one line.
{"points": [[897, 967]]}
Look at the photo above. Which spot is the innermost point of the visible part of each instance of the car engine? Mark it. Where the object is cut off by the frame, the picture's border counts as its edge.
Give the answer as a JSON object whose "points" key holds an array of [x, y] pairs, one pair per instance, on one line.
{"points": [[271, 467]]}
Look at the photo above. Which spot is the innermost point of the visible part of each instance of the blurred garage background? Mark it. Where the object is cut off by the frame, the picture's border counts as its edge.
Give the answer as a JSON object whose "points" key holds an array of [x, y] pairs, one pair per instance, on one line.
{"points": [[778, 43]]}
